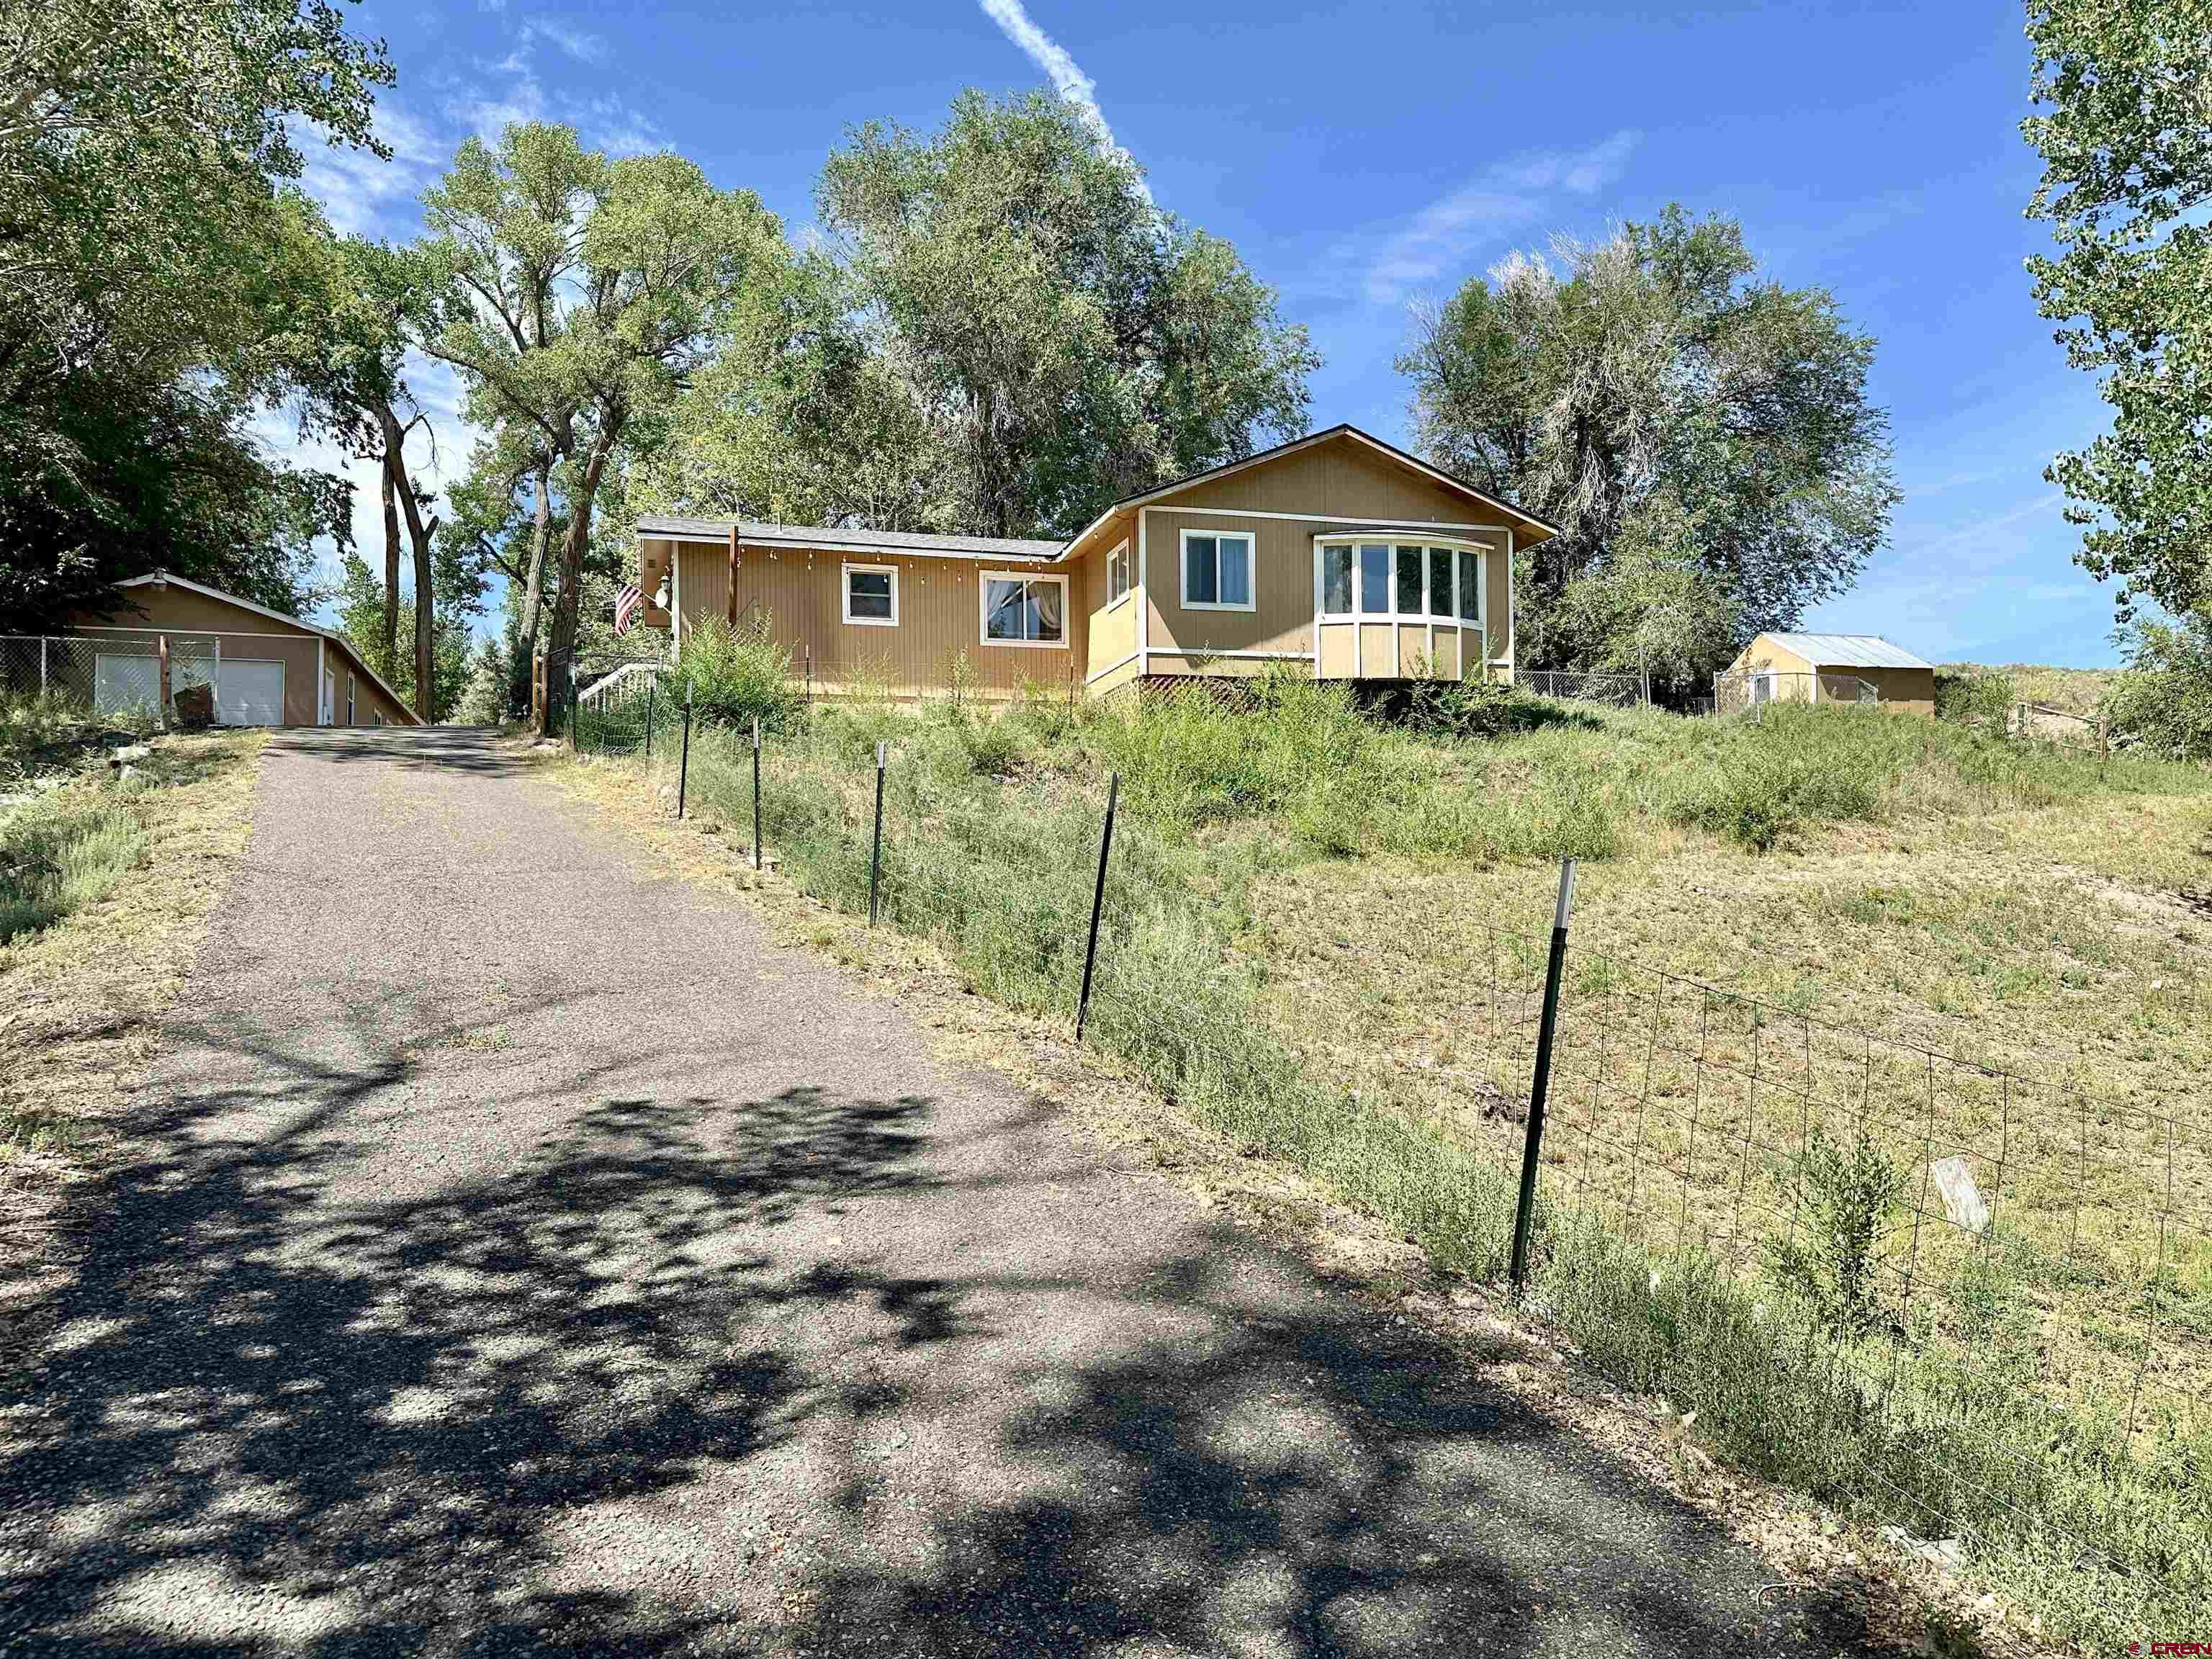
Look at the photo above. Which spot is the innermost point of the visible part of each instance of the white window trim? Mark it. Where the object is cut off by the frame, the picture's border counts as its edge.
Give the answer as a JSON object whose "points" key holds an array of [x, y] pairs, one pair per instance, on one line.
{"points": [[845, 573], [983, 581], [1251, 567], [353, 692], [1480, 550], [1120, 551]]}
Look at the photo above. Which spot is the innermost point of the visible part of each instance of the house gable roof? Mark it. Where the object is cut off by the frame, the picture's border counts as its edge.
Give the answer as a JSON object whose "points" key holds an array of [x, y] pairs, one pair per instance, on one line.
{"points": [[163, 577], [1343, 432], [752, 533], [1845, 650]]}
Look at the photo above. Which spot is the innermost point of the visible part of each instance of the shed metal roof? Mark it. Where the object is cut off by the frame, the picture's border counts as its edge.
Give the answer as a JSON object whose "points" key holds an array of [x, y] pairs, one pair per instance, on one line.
{"points": [[754, 532], [1846, 650]]}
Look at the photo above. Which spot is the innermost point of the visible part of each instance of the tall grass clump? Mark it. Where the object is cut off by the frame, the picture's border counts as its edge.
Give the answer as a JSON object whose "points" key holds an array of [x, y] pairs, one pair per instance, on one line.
{"points": [[58, 856], [733, 675]]}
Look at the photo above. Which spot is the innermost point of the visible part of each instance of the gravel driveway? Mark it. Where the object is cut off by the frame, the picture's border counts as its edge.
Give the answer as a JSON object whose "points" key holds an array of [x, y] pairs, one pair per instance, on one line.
{"points": [[521, 1256]]}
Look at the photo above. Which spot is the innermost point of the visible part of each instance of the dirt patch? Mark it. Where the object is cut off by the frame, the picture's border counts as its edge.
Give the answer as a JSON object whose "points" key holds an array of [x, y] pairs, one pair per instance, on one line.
{"points": [[84, 999]]}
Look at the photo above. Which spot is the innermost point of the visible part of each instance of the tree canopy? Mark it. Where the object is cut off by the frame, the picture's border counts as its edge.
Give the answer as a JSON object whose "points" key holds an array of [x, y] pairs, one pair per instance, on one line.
{"points": [[1702, 436], [1003, 336], [2124, 126], [142, 268]]}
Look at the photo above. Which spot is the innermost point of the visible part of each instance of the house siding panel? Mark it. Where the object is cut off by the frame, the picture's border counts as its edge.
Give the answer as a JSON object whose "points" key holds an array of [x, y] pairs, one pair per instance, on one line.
{"points": [[940, 615]]}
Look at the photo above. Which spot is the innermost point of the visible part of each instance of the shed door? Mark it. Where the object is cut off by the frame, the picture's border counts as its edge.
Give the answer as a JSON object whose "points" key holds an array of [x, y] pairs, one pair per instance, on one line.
{"points": [[122, 684], [250, 692]]}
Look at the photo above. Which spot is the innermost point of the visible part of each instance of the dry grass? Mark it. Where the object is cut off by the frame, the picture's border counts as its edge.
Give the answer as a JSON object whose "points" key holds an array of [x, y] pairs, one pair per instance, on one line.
{"points": [[82, 999]]}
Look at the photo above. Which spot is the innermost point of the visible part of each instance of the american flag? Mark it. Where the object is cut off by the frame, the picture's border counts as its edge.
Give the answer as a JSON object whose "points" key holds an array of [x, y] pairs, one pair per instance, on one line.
{"points": [[626, 605]]}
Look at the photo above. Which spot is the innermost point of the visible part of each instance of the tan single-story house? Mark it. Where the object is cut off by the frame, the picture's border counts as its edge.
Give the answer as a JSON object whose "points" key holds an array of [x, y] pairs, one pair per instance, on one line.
{"points": [[1835, 668], [267, 668], [1337, 552]]}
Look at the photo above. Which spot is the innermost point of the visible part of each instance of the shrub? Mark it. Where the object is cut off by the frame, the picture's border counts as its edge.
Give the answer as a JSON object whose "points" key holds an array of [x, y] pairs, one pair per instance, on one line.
{"points": [[733, 675], [1848, 1193], [1974, 697], [2164, 701]]}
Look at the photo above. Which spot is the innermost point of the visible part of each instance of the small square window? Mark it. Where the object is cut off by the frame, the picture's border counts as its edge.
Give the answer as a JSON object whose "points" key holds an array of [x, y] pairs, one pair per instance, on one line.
{"points": [[872, 595], [1217, 571]]}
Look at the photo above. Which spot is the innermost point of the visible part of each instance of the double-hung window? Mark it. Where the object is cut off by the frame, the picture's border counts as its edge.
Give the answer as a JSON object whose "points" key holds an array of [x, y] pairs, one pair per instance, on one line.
{"points": [[1217, 570], [1404, 581], [872, 595], [1117, 576], [1023, 610]]}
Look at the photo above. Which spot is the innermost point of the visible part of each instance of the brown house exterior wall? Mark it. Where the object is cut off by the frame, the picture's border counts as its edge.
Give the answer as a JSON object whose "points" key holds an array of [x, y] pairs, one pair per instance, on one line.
{"points": [[1340, 482], [246, 634], [801, 595]]}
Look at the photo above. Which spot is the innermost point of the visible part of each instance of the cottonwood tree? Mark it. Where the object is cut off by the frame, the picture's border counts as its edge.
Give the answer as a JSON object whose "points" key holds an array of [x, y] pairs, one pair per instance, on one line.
{"points": [[2124, 126], [371, 304], [140, 144], [594, 291], [1677, 417], [1059, 341]]}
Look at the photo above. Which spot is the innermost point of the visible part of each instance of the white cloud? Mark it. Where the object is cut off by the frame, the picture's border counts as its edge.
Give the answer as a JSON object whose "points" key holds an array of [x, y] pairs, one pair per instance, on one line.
{"points": [[579, 44], [1066, 77], [363, 195], [1506, 196], [621, 130]]}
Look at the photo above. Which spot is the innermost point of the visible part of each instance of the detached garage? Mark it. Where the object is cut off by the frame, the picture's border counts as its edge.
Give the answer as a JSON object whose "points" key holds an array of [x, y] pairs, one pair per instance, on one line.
{"points": [[266, 668]]}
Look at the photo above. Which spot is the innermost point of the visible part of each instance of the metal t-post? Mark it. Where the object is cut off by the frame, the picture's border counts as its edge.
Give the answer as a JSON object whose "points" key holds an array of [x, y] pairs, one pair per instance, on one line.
{"points": [[756, 858], [651, 686], [1097, 903], [876, 852], [1532, 1146], [683, 767]]}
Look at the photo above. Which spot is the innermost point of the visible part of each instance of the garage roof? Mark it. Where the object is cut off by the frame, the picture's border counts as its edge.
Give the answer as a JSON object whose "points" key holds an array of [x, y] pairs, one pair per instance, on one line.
{"points": [[1847, 651]]}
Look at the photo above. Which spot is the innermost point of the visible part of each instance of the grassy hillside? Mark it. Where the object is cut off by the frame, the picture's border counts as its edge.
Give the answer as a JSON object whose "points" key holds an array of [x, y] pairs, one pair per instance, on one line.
{"points": [[1811, 954], [2076, 691]]}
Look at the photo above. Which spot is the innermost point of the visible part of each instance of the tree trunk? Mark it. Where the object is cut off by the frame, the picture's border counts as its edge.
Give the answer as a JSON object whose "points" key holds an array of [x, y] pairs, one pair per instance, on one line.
{"points": [[391, 663], [420, 533], [573, 543], [533, 591]]}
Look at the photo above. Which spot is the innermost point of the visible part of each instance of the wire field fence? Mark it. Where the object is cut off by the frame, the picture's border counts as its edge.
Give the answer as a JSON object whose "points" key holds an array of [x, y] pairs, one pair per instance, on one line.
{"points": [[1971, 1302], [115, 679]]}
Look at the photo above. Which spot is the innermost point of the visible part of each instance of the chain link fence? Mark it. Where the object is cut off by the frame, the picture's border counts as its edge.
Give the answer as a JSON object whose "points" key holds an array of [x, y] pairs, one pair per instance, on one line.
{"points": [[1948, 1294], [1575, 685], [115, 679]]}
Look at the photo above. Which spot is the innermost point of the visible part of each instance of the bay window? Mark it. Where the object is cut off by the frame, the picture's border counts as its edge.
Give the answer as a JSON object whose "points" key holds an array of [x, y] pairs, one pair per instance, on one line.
{"points": [[1401, 581]]}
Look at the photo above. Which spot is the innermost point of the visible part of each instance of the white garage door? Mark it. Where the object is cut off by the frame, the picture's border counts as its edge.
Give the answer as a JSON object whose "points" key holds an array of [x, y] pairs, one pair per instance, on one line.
{"points": [[250, 692], [124, 685]]}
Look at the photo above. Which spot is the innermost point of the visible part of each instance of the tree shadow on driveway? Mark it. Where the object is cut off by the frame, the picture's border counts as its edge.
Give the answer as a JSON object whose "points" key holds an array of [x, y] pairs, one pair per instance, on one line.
{"points": [[429, 1351]]}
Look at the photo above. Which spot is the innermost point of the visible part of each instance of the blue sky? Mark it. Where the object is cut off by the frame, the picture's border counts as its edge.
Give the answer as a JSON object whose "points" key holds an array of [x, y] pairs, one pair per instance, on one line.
{"points": [[1361, 154]]}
